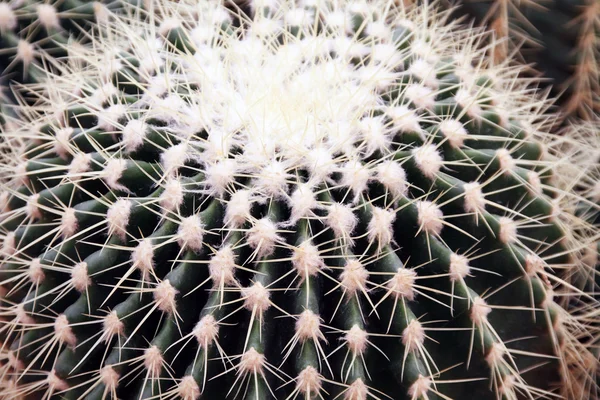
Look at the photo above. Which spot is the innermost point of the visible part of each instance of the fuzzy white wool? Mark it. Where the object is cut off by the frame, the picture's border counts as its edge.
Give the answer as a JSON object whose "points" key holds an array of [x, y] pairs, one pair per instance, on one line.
{"points": [[302, 201], [358, 390], [354, 277], [263, 237], [68, 223], [425, 71], [35, 272], [428, 160], [238, 209], [117, 217], [357, 340], [112, 173], [413, 336], [174, 158], [108, 118], [188, 389], [320, 163], [391, 175], [63, 331], [48, 16], [508, 230], [25, 52], [252, 362], [80, 163], [420, 388], [112, 326], [473, 197], [402, 284], [421, 96], [306, 260], [454, 131], [61, 145], [272, 180], [8, 19], [430, 217], [103, 93], [32, 209], [9, 245], [535, 183], [134, 135], [308, 327], [142, 256], [220, 176], [206, 331], [80, 279], [355, 176], [153, 361], [21, 174], [507, 162], [404, 119], [341, 219], [55, 384], [164, 296], [469, 103], [222, 267], [309, 381], [190, 233], [479, 311], [459, 267], [380, 229], [375, 134], [256, 297], [172, 196]]}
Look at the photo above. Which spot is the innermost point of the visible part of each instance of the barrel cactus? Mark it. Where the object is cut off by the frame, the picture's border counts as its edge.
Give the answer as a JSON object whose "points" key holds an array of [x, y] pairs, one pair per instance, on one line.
{"points": [[277, 200]]}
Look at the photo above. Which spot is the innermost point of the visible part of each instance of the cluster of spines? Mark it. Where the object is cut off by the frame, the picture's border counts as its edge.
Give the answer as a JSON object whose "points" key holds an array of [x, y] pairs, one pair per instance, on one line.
{"points": [[404, 249]]}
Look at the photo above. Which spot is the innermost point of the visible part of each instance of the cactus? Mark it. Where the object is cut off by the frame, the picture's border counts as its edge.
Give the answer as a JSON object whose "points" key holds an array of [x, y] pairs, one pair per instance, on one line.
{"points": [[559, 38], [334, 200]]}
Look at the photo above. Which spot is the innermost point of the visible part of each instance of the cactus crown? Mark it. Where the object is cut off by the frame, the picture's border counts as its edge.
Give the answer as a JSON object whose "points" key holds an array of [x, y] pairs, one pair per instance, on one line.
{"points": [[324, 200]]}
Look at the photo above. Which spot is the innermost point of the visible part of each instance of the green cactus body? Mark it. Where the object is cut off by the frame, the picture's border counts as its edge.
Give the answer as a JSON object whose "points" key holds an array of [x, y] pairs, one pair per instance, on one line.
{"points": [[335, 201]]}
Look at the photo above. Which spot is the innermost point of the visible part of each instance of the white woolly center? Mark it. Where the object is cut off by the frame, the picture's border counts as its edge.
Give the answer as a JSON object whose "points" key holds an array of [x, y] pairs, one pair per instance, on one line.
{"points": [[308, 326], [167, 25], [8, 19], [48, 16], [380, 227], [508, 230], [112, 326], [113, 170], [356, 391], [272, 180], [356, 177], [535, 183], [354, 277], [413, 336], [9, 245], [454, 131], [425, 72], [81, 163], [68, 223], [32, 209], [393, 177], [421, 96], [256, 297], [174, 158], [55, 383], [102, 94], [35, 272], [507, 162], [221, 175], [479, 311], [252, 362], [191, 233], [404, 119], [188, 389], [375, 134], [459, 267], [306, 260], [206, 331], [341, 220], [238, 209], [469, 103], [63, 331], [153, 361], [80, 278], [263, 236], [108, 118], [109, 377], [25, 52], [320, 163], [142, 257], [428, 160], [134, 134], [473, 198], [420, 388], [495, 355], [309, 381], [302, 201], [21, 315], [222, 267], [172, 196], [164, 296], [357, 340], [430, 217], [534, 265], [402, 283], [117, 218]]}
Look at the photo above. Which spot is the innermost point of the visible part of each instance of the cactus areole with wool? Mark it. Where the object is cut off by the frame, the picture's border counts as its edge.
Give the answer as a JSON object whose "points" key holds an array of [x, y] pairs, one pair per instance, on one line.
{"points": [[289, 200]]}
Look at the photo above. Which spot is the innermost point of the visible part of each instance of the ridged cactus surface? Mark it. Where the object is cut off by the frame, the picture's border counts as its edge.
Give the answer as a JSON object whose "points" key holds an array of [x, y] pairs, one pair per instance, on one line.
{"points": [[561, 38], [332, 200]]}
